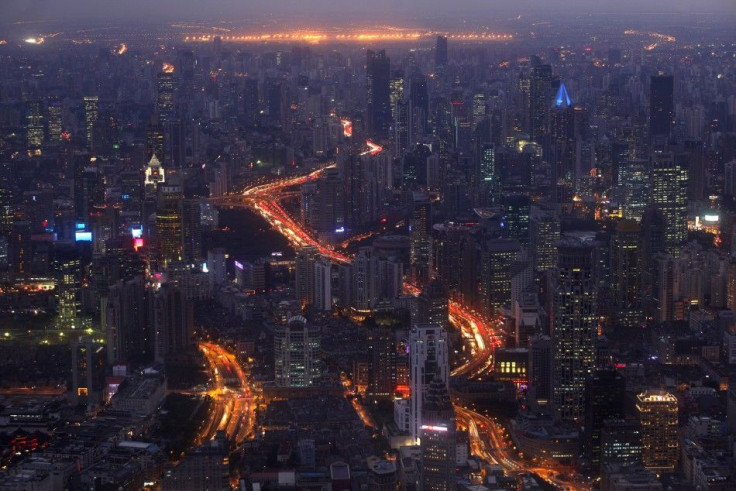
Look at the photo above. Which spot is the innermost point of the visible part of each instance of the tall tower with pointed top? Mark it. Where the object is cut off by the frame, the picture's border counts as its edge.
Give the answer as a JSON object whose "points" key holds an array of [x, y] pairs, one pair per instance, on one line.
{"points": [[562, 133]]}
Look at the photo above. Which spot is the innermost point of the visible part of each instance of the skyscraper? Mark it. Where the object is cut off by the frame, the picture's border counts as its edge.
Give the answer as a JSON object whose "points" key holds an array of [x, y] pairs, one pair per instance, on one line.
{"points": [[544, 227], [428, 357], [383, 356], [661, 107], [669, 197], [169, 223], [88, 372], [438, 440], [574, 328], [165, 94], [604, 399], [90, 118], [304, 273], [658, 414], [626, 274], [172, 322], [562, 134], [68, 289], [540, 87], [296, 353], [378, 93], [420, 239], [323, 284], [440, 52]]}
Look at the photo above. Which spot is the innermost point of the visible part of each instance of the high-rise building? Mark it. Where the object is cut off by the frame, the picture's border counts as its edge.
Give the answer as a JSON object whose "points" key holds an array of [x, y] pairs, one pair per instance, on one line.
{"points": [[420, 239], [172, 322], [378, 93], [128, 333], [433, 308], [88, 372], [169, 223], [323, 284], [382, 353], [658, 414], [562, 134], [540, 88], [626, 274], [428, 357], [633, 181], [438, 439], [304, 274], [296, 353], [440, 52], [487, 176], [192, 231], [661, 106], [165, 94], [516, 216], [621, 442], [54, 111], [544, 227], [90, 118], [496, 259], [154, 175], [575, 326], [540, 369], [669, 197], [605, 393], [34, 125], [68, 290]]}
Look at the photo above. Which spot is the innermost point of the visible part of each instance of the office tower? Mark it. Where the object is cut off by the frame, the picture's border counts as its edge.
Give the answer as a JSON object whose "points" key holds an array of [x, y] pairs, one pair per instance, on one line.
{"points": [[575, 326], [169, 230], [382, 356], [165, 94], [438, 440], [296, 353], [540, 87], [432, 304], [378, 93], [172, 322], [661, 107], [511, 365], [669, 197], [626, 274], [323, 284], [496, 258], [304, 274], [155, 141], [396, 87], [330, 204], [54, 111], [633, 181], [250, 101], [659, 441], [68, 290], [89, 188], [540, 369], [440, 52], [605, 393], [34, 125], [363, 280], [420, 239], [176, 144], [154, 175], [88, 372], [127, 332], [544, 225], [192, 231], [516, 216], [562, 134], [418, 107], [354, 185], [19, 247], [428, 359], [217, 266], [90, 118], [487, 178], [621, 442]]}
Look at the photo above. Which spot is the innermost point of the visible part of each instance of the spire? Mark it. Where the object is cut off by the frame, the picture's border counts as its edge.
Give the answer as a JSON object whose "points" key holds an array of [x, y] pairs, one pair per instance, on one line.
{"points": [[563, 98]]}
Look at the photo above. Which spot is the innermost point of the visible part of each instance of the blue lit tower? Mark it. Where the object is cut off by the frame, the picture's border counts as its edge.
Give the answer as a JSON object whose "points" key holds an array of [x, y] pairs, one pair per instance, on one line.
{"points": [[562, 133]]}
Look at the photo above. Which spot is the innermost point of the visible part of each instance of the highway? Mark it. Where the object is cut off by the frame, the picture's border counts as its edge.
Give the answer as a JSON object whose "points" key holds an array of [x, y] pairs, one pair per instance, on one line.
{"points": [[233, 408], [487, 438]]}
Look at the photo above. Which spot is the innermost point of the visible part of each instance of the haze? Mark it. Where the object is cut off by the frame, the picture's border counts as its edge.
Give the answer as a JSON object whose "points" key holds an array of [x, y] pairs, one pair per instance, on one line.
{"points": [[355, 10]]}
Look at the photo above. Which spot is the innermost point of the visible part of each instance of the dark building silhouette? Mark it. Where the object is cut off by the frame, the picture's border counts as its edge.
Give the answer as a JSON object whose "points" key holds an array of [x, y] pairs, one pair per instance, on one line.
{"points": [[604, 399], [378, 93], [661, 106]]}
